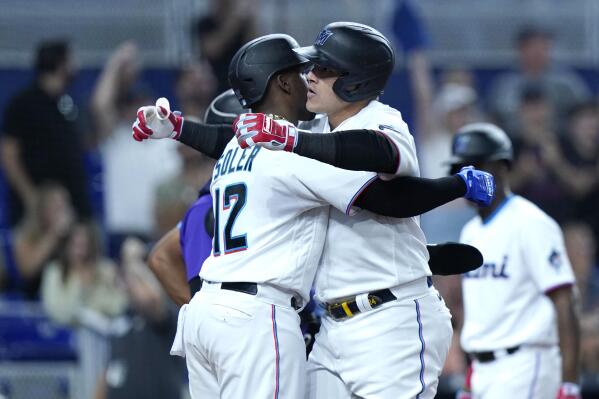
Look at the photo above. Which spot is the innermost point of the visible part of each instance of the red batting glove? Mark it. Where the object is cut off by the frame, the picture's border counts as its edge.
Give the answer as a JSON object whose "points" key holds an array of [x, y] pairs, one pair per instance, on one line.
{"points": [[149, 125], [569, 390], [462, 394], [263, 130]]}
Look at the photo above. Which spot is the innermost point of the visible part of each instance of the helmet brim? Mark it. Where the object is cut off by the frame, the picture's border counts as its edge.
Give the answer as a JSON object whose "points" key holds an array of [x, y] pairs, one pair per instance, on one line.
{"points": [[308, 52]]}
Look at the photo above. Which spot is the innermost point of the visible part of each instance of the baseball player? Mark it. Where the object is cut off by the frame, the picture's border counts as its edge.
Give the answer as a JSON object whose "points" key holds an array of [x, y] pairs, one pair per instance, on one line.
{"points": [[386, 331], [177, 257], [239, 266], [520, 329]]}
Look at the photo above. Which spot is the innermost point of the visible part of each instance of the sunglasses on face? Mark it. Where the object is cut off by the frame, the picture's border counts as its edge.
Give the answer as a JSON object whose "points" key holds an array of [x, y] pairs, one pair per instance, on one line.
{"points": [[322, 72]]}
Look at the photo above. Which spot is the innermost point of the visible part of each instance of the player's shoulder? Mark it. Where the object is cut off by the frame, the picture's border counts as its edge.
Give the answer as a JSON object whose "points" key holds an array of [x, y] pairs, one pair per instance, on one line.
{"points": [[386, 118], [529, 214], [471, 226]]}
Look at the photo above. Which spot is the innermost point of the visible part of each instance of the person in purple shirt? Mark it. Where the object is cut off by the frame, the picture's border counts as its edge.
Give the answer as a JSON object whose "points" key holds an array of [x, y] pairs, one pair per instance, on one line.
{"points": [[196, 231]]}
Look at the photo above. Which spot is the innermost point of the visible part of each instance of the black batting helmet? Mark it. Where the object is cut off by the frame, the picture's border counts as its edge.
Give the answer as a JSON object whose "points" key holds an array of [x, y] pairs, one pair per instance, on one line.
{"points": [[361, 54], [224, 109], [256, 62], [480, 142]]}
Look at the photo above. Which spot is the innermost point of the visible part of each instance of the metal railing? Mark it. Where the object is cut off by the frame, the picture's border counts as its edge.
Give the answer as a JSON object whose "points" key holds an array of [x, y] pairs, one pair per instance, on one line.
{"points": [[463, 31]]}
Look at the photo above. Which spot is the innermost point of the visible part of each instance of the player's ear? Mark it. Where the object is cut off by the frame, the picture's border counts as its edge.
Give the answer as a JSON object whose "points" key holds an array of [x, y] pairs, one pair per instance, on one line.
{"points": [[283, 82]]}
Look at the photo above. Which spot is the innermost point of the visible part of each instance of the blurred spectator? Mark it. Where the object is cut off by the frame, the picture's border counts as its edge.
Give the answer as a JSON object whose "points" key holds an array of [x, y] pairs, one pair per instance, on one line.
{"points": [[81, 280], [453, 107], [132, 170], [579, 174], [412, 39], [575, 160], [81, 289], [37, 240], [41, 142], [177, 192], [563, 87], [581, 246], [195, 88], [230, 24], [531, 175], [459, 76], [140, 365]]}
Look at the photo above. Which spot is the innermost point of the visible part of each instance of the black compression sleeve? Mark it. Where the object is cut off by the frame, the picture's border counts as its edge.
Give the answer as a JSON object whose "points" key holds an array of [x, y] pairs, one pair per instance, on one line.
{"points": [[350, 149], [408, 196], [210, 140]]}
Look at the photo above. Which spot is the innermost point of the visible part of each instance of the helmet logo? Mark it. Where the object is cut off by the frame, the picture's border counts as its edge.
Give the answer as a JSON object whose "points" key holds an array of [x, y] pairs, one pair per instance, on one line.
{"points": [[461, 144], [323, 36]]}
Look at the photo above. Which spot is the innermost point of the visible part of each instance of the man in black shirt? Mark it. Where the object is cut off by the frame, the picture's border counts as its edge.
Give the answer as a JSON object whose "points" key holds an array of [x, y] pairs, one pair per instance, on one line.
{"points": [[40, 141], [221, 33]]}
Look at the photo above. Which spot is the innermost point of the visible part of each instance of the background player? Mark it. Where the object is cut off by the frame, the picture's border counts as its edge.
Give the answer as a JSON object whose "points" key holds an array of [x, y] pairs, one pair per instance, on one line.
{"points": [[518, 307]]}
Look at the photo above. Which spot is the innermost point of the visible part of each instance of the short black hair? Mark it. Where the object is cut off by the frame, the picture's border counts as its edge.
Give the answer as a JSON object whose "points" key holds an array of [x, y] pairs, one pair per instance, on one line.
{"points": [[51, 55], [528, 32]]}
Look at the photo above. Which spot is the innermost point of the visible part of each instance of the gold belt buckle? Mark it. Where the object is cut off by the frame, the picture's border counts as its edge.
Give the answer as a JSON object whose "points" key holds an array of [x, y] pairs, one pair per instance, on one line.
{"points": [[343, 305]]}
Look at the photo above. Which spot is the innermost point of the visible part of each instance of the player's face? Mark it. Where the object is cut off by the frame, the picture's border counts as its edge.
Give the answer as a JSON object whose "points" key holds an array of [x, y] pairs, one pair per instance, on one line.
{"points": [[321, 97], [299, 89]]}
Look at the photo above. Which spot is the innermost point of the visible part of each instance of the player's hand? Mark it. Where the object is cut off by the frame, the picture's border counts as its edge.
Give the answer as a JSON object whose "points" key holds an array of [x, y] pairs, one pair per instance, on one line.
{"points": [[265, 131], [463, 394], [480, 186], [466, 391], [157, 122], [569, 390]]}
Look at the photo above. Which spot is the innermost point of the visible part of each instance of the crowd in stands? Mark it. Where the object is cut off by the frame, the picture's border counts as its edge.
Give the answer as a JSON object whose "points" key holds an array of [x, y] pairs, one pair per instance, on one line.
{"points": [[88, 269]]}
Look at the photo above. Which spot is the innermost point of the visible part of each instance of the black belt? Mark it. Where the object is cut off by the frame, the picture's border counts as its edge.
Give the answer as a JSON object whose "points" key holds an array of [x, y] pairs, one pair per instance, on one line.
{"points": [[251, 289], [485, 357], [349, 308], [246, 288], [195, 284]]}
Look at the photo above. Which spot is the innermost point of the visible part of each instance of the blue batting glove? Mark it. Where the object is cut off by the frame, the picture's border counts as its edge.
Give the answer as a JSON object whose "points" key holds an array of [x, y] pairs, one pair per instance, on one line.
{"points": [[480, 186]]}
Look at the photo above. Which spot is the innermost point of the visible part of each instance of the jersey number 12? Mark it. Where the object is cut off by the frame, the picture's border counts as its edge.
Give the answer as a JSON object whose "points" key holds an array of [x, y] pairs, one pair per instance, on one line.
{"points": [[235, 194]]}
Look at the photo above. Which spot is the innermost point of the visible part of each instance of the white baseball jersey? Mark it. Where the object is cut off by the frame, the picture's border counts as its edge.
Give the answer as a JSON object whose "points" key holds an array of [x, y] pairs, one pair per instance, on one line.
{"points": [[524, 258], [267, 227], [370, 252]]}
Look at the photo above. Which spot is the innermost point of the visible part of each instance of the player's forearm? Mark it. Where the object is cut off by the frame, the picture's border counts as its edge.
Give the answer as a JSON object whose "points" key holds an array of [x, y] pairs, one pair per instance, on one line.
{"points": [[351, 149], [171, 275], [569, 334], [166, 262], [569, 345], [210, 140], [407, 196]]}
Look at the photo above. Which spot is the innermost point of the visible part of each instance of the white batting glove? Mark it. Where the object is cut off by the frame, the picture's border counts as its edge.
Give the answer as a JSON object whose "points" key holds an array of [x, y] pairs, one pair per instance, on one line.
{"points": [[157, 122]]}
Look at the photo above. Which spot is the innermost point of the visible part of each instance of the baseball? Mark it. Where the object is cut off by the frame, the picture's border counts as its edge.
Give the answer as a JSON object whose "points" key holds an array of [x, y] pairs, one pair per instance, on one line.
{"points": [[162, 102]]}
